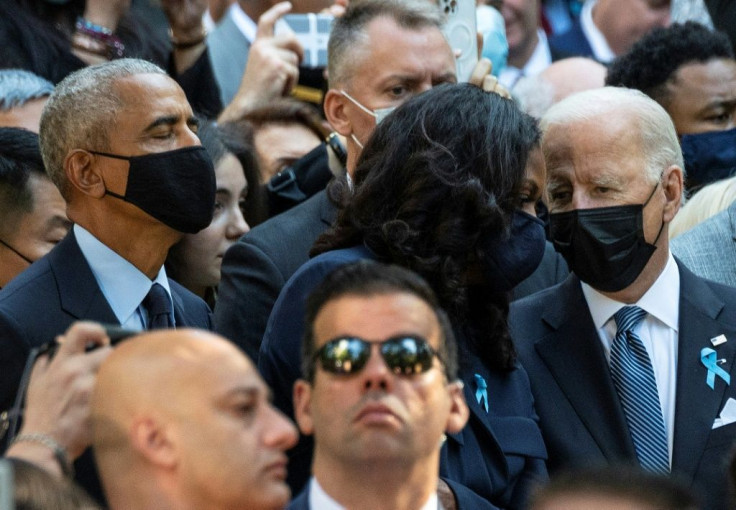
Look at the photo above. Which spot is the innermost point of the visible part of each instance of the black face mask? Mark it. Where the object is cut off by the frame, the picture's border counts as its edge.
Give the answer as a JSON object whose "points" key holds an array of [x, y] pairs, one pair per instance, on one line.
{"points": [[708, 157], [604, 247], [175, 187], [509, 259], [16, 252]]}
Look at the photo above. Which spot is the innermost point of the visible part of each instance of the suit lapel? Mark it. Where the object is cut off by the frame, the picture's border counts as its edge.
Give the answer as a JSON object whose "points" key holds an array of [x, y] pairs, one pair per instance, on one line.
{"points": [[79, 294], [327, 210], [574, 356], [697, 405]]}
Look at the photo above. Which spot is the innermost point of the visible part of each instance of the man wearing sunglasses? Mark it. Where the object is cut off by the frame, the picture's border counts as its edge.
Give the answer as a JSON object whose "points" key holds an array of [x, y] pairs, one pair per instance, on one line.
{"points": [[380, 389]]}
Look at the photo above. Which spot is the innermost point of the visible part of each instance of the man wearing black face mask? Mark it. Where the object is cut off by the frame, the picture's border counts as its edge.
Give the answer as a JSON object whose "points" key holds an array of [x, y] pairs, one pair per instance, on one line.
{"points": [[690, 70], [32, 210], [630, 358], [119, 142]]}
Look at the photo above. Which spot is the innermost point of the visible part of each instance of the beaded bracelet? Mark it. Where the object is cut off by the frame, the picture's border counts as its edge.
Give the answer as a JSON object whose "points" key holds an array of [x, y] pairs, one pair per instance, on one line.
{"points": [[60, 453], [115, 47]]}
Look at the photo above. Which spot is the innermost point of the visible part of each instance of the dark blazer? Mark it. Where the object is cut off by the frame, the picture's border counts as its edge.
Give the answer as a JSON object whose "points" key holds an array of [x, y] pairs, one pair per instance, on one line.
{"points": [[466, 499], [551, 271], [256, 268], [571, 43], [44, 300], [580, 414], [498, 455]]}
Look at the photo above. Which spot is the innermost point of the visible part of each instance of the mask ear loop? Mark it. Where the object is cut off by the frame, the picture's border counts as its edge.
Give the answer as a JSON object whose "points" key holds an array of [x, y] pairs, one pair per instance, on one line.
{"points": [[661, 227]]}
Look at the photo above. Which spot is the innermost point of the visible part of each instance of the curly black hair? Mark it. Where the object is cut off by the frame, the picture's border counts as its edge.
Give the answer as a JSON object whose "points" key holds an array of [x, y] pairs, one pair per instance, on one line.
{"points": [[651, 63], [438, 175]]}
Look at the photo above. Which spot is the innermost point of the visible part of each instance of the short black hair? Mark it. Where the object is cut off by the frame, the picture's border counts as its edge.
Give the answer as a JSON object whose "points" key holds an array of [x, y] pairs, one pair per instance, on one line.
{"points": [[370, 278], [626, 482], [20, 158], [651, 64]]}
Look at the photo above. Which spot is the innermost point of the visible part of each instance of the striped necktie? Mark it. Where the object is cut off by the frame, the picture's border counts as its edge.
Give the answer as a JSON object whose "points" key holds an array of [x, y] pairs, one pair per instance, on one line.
{"points": [[633, 377]]}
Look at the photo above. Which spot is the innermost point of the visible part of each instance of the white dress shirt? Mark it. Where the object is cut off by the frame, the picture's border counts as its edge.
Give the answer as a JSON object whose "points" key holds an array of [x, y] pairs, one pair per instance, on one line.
{"points": [[658, 333], [539, 60], [320, 500], [601, 50], [122, 284]]}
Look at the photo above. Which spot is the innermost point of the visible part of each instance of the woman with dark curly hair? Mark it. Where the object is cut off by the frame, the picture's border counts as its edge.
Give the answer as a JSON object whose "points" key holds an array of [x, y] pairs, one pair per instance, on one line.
{"points": [[437, 191]]}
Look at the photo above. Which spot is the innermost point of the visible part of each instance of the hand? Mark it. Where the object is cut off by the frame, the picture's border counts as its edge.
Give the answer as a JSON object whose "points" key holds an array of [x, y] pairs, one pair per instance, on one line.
{"points": [[273, 66], [57, 402], [482, 77], [337, 9], [185, 18]]}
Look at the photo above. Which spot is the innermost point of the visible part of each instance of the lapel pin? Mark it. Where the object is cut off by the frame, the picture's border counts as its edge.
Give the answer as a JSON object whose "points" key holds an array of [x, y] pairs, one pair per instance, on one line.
{"points": [[721, 361], [718, 340]]}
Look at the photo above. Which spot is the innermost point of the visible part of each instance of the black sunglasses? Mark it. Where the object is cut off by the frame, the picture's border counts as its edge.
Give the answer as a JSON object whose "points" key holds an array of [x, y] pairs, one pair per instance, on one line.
{"points": [[404, 355]]}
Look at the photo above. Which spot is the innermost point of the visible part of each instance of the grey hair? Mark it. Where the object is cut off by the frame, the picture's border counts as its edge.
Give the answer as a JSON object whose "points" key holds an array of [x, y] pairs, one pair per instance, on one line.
{"points": [[348, 37], [81, 110], [658, 136], [18, 86]]}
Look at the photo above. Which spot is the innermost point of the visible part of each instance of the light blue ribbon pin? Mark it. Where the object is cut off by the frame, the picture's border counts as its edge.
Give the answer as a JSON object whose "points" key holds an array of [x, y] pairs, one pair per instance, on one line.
{"points": [[481, 393], [708, 359]]}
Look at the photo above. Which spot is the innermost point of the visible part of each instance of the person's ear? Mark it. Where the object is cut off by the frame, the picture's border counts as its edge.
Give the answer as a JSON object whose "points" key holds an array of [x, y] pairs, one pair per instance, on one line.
{"points": [[334, 105], [83, 174], [303, 406], [673, 187], [459, 412], [150, 439]]}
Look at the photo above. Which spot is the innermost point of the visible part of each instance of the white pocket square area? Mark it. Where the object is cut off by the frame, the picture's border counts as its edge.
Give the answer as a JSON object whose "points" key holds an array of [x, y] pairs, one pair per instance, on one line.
{"points": [[728, 414]]}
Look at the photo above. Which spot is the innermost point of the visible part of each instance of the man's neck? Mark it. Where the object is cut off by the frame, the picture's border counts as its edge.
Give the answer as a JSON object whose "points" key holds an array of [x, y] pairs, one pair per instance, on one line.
{"points": [[646, 279], [521, 56], [379, 485], [144, 248]]}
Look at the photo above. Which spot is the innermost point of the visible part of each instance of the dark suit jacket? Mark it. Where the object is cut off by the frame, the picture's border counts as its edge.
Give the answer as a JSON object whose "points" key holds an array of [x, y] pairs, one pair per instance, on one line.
{"points": [[466, 499], [498, 455], [256, 268], [44, 300], [580, 414], [571, 43]]}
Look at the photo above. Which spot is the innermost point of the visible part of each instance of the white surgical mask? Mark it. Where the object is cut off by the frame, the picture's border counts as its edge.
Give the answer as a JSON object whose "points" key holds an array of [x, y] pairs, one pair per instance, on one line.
{"points": [[379, 114]]}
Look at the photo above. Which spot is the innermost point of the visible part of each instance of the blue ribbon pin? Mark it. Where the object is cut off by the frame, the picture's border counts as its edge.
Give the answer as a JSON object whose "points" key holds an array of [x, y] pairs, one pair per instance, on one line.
{"points": [[708, 359], [481, 393]]}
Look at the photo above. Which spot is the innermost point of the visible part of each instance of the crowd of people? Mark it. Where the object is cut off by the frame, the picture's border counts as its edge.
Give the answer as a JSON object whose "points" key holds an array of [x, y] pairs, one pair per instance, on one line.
{"points": [[232, 281]]}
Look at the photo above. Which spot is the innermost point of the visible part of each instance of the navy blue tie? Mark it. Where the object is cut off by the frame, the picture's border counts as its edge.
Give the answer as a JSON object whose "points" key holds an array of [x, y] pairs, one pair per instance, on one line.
{"points": [[158, 305], [633, 377]]}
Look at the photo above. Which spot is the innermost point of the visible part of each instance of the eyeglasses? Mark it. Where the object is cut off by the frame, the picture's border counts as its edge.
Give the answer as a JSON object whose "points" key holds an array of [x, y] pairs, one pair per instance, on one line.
{"points": [[404, 355]]}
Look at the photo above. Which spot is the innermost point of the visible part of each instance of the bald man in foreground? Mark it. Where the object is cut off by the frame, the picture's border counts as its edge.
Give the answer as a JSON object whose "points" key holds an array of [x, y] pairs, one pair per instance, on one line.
{"points": [[183, 421]]}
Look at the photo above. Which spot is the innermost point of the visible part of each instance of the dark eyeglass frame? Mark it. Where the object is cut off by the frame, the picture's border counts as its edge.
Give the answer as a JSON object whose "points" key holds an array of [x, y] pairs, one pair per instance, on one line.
{"points": [[403, 354]]}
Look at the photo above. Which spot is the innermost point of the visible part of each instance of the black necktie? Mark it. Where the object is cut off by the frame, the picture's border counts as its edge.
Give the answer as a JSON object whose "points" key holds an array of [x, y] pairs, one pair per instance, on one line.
{"points": [[158, 306]]}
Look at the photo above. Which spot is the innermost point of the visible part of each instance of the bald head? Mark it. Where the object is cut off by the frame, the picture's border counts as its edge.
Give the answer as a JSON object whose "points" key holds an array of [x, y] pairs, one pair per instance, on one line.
{"points": [[160, 398], [571, 75]]}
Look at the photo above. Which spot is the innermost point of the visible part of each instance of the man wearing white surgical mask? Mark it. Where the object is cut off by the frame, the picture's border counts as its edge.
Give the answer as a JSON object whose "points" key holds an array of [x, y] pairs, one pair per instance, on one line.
{"points": [[381, 53]]}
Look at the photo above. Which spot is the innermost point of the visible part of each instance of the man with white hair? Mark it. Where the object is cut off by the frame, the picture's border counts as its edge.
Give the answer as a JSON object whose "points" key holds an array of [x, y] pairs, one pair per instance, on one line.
{"points": [[629, 358]]}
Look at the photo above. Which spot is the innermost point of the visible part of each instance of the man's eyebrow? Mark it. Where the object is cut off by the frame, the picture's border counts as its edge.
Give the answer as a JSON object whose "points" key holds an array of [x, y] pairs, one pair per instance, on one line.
{"points": [[58, 221], [170, 120]]}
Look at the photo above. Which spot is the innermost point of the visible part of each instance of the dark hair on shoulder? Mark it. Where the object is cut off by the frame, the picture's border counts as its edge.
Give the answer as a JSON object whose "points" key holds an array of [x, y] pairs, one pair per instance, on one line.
{"points": [[367, 278], [651, 64], [643, 489], [438, 175], [20, 158]]}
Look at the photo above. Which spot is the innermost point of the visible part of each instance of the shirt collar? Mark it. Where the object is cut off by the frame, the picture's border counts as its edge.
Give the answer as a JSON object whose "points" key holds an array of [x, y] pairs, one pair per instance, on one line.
{"points": [[662, 300], [122, 284], [539, 60], [318, 498], [601, 50]]}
